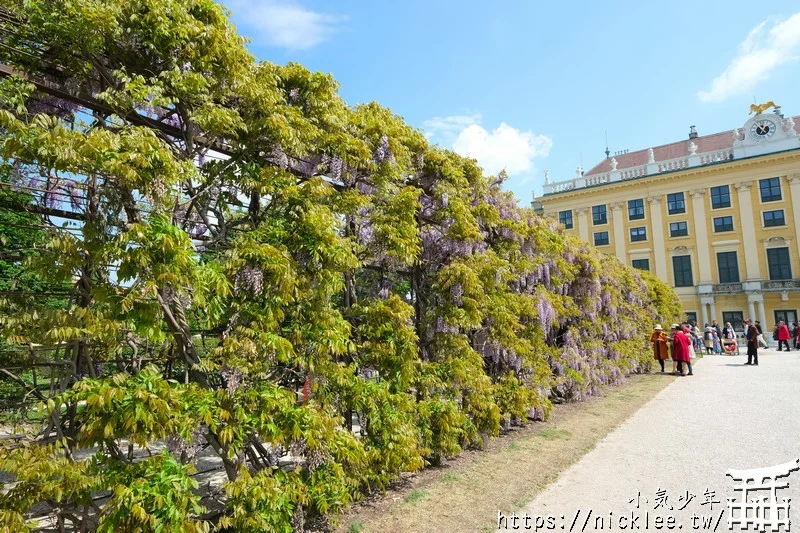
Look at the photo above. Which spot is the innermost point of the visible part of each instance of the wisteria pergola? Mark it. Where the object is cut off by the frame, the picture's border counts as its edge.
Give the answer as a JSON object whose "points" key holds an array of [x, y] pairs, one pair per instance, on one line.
{"points": [[222, 272]]}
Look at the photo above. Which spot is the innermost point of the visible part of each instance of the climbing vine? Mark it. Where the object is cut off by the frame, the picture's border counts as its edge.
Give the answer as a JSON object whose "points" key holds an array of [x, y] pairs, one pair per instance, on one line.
{"points": [[306, 296]]}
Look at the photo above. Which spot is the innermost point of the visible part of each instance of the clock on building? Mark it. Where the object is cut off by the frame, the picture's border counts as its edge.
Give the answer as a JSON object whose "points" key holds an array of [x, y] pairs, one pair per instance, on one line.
{"points": [[762, 129]]}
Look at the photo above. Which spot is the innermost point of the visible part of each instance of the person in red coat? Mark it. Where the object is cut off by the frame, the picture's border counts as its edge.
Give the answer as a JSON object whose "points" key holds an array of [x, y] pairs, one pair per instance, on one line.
{"points": [[680, 349], [783, 336]]}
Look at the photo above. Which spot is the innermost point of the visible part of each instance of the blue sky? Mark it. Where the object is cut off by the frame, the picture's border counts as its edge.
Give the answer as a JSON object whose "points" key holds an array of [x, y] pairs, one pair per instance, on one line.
{"points": [[532, 86]]}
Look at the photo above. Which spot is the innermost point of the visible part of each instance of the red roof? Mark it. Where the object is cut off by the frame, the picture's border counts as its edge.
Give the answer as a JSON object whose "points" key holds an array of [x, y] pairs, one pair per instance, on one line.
{"points": [[707, 143]]}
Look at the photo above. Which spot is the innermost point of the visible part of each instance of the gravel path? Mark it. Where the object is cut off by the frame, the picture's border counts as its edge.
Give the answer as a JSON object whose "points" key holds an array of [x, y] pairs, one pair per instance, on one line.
{"points": [[726, 416]]}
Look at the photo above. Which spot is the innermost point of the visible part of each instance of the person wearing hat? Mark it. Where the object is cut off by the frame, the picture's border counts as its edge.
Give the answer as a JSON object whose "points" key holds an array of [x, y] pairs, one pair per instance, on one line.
{"points": [[659, 342], [680, 349]]}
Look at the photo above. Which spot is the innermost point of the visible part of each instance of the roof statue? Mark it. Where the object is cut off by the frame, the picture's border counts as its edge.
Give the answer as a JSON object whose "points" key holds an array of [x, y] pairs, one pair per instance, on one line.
{"points": [[692, 148], [613, 163], [758, 109], [547, 177], [651, 157], [789, 125]]}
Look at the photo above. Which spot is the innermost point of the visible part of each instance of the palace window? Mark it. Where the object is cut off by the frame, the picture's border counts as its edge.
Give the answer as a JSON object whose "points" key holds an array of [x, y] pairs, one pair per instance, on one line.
{"points": [[723, 224], [728, 267], [676, 203], [774, 218], [565, 218], [678, 229], [789, 316], [601, 238], [599, 215], [780, 267], [682, 270], [638, 234], [720, 197], [770, 189], [635, 209], [641, 264], [736, 318]]}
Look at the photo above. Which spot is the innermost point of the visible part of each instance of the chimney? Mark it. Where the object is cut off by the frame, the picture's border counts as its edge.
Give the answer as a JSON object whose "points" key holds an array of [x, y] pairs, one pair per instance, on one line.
{"points": [[692, 132]]}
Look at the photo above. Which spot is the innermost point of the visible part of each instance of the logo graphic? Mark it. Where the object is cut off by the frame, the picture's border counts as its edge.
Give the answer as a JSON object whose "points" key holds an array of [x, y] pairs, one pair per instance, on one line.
{"points": [[760, 511]]}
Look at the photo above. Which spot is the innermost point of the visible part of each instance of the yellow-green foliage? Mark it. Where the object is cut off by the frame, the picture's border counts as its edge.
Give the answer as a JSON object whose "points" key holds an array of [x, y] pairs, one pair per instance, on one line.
{"points": [[334, 303]]}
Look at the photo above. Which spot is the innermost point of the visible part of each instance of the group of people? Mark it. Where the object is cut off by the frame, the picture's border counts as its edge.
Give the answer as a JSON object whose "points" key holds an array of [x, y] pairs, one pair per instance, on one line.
{"points": [[681, 345], [719, 340], [685, 338], [787, 337]]}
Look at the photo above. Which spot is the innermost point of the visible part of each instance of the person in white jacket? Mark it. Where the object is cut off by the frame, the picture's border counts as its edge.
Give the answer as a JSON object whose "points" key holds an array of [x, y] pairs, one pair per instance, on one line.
{"points": [[761, 341]]}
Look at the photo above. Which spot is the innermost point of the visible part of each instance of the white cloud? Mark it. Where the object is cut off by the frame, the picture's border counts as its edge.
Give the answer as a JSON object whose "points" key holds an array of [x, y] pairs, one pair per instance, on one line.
{"points": [[759, 54], [284, 23], [503, 148], [446, 129]]}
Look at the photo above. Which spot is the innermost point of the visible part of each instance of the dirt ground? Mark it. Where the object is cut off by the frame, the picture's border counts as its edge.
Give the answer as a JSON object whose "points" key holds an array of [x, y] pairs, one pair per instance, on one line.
{"points": [[465, 494]]}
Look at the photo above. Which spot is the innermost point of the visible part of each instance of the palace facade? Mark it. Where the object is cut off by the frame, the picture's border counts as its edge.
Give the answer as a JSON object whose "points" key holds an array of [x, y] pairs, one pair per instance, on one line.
{"points": [[716, 216]]}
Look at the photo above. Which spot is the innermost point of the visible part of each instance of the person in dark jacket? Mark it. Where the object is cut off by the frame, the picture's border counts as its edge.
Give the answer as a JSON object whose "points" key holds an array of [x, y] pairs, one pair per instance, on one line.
{"points": [[752, 345], [795, 335], [726, 330], [716, 326]]}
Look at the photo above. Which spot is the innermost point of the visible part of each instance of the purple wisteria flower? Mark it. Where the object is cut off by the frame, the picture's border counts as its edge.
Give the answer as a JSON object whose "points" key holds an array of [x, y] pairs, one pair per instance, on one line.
{"points": [[546, 313], [177, 446], [456, 293], [426, 205], [232, 377], [444, 327], [385, 289], [335, 167], [366, 188], [70, 188], [382, 152], [366, 234], [250, 280], [456, 248], [507, 233], [491, 350], [279, 157]]}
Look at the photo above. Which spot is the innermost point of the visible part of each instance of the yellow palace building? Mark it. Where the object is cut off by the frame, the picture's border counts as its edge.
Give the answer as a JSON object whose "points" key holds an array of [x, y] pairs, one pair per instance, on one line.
{"points": [[716, 216]]}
